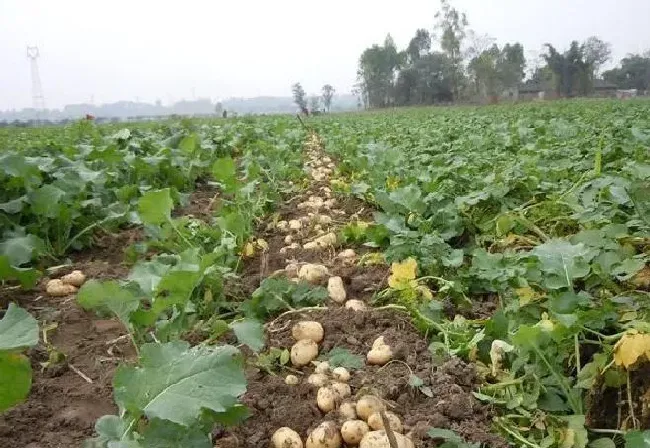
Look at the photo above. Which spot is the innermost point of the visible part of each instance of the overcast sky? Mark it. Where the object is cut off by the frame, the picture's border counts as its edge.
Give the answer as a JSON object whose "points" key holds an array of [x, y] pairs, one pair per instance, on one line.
{"points": [[170, 50]]}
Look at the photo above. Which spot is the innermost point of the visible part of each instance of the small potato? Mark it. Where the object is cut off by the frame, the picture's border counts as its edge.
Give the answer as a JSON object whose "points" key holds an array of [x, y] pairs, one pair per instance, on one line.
{"points": [[375, 422], [348, 411], [368, 405], [288, 239], [75, 278], [291, 270], [56, 288], [323, 367], [286, 438], [317, 379], [326, 399], [307, 329], [379, 356], [355, 305], [336, 289], [282, 225], [291, 380], [303, 352], [347, 254], [378, 342], [342, 389], [341, 374], [311, 245], [353, 431], [379, 439], [294, 224], [326, 435], [312, 272], [327, 240], [325, 219]]}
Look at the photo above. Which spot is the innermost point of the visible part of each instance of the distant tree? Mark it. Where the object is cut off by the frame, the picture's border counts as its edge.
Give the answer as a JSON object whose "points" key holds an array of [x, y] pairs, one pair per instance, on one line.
{"points": [[494, 69], [419, 45], [377, 68], [634, 73], [218, 108], [571, 73], [428, 81], [511, 65], [451, 28], [596, 53], [314, 104], [327, 95], [300, 97]]}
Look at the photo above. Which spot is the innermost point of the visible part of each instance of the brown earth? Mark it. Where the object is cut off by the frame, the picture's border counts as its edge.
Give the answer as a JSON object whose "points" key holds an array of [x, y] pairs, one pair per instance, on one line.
{"points": [[274, 404], [62, 407]]}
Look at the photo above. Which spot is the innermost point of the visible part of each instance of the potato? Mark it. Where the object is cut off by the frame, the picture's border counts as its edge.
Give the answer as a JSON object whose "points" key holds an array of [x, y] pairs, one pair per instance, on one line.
{"points": [[317, 379], [327, 240], [378, 342], [56, 288], [307, 329], [312, 272], [353, 431], [286, 438], [347, 254], [291, 270], [322, 367], [336, 290], [375, 422], [288, 239], [380, 355], [303, 352], [291, 380], [282, 225], [379, 439], [368, 405], [342, 389], [347, 411], [355, 305], [311, 245], [326, 435], [75, 278], [294, 224], [341, 374], [325, 220], [326, 399]]}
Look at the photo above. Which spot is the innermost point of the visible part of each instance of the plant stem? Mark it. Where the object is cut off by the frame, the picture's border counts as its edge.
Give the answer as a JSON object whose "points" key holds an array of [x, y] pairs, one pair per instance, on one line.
{"points": [[517, 436], [576, 345]]}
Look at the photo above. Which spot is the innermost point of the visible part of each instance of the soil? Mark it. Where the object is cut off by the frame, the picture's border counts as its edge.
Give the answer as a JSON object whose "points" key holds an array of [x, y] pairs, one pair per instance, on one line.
{"points": [[604, 403], [201, 203], [62, 407], [273, 404]]}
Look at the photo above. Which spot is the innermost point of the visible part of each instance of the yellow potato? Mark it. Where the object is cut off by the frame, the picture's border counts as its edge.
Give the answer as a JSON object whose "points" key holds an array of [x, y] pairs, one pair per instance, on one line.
{"points": [[56, 288], [303, 352], [379, 439], [375, 422], [347, 411], [317, 379], [75, 278], [380, 356], [368, 405], [336, 289], [326, 435], [341, 374], [356, 305], [326, 399], [353, 431], [291, 380], [286, 438], [307, 329], [342, 389]]}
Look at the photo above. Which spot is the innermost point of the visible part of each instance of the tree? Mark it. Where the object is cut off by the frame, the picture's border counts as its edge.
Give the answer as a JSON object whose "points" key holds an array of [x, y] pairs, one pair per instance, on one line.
{"points": [[428, 81], [634, 73], [327, 95], [570, 71], [300, 97], [376, 74], [512, 65], [494, 70], [419, 45], [451, 26], [596, 53]]}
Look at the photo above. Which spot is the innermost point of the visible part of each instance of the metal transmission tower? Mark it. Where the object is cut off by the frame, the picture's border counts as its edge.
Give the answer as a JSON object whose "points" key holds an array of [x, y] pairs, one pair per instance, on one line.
{"points": [[38, 99]]}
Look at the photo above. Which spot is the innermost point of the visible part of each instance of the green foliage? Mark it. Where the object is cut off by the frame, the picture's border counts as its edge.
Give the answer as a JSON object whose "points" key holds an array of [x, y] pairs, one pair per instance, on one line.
{"points": [[341, 357], [275, 295], [18, 330]]}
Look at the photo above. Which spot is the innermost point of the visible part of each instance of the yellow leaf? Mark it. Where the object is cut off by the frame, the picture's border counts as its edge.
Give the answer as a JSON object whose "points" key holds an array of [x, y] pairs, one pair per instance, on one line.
{"points": [[631, 347], [402, 273], [262, 244], [248, 250], [526, 295]]}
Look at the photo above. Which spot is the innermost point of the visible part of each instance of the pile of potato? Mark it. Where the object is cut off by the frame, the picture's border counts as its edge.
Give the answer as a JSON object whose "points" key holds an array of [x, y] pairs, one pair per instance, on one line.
{"points": [[66, 285]]}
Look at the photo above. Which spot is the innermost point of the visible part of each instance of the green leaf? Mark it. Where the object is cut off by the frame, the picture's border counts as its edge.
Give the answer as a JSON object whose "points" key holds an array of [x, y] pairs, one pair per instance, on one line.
{"points": [[16, 374], [26, 276], [175, 382], [13, 206], [225, 171], [637, 439], [603, 442], [249, 332], [18, 329], [21, 250], [628, 268], [155, 207], [109, 295], [164, 434], [45, 200], [341, 357], [562, 262]]}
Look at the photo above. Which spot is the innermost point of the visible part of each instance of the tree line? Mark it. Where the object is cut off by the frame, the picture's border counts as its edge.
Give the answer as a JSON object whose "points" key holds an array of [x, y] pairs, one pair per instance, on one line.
{"points": [[465, 66]]}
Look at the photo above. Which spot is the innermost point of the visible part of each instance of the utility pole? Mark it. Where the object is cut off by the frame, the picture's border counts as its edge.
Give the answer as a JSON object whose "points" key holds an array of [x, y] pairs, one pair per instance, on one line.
{"points": [[38, 98]]}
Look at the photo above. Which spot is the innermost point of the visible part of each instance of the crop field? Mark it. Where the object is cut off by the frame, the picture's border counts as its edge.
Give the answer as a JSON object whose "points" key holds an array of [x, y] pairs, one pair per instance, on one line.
{"points": [[434, 277]]}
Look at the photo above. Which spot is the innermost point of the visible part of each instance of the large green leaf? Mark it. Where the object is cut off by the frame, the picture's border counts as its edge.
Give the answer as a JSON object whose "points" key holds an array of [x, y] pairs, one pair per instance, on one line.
{"points": [[18, 329], [225, 171], [562, 262], [249, 332], [110, 296], [16, 374], [155, 207], [45, 200], [637, 439], [20, 250], [175, 382], [26, 276]]}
